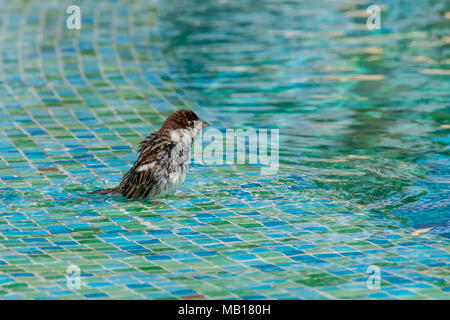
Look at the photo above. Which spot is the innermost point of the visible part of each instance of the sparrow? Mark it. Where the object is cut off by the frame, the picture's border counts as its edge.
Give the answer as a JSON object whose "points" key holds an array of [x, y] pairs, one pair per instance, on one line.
{"points": [[163, 159]]}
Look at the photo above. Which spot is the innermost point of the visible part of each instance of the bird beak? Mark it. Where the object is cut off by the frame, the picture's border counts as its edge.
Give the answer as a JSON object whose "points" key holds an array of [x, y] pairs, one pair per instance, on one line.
{"points": [[204, 124]]}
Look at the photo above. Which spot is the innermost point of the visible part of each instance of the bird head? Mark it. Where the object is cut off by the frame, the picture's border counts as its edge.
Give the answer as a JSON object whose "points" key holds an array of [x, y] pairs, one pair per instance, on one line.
{"points": [[183, 124]]}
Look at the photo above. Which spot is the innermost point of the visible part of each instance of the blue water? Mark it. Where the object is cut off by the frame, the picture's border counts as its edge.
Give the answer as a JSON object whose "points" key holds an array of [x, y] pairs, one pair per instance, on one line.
{"points": [[363, 119], [363, 112]]}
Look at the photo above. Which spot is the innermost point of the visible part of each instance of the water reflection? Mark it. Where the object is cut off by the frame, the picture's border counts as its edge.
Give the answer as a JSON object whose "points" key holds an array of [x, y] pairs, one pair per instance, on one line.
{"points": [[363, 112]]}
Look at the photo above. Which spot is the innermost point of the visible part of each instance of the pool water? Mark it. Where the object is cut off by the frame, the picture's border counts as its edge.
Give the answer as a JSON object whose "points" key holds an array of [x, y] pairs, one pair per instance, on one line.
{"points": [[364, 167]]}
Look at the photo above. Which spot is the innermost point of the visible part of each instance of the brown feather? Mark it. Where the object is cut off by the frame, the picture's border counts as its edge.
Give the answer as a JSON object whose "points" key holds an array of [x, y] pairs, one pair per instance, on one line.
{"points": [[136, 184]]}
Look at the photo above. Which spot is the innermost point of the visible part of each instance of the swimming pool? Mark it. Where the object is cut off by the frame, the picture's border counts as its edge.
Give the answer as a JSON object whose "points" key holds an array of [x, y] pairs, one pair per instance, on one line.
{"points": [[363, 177]]}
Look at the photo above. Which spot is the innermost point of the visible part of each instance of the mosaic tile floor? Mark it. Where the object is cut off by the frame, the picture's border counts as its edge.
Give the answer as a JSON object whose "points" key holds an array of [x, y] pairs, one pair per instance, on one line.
{"points": [[74, 106]]}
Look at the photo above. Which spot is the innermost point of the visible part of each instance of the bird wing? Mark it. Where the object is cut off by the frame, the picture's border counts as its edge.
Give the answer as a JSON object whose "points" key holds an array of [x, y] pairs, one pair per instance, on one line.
{"points": [[138, 180], [148, 141]]}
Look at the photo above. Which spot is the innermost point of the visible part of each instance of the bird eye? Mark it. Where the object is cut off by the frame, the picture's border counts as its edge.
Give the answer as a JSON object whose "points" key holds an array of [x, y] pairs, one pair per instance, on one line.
{"points": [[191, 123]]}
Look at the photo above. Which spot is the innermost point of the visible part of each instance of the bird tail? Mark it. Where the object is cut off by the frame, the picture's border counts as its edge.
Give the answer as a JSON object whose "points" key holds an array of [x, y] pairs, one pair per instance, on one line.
{"points": [[114, 191]]}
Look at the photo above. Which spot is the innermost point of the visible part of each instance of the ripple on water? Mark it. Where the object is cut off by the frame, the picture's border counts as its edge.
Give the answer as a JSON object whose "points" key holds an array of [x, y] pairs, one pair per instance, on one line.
{"points": [[359, 113]]}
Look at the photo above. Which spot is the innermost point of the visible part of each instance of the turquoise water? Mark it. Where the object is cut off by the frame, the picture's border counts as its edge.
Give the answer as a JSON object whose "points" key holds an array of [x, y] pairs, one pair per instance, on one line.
{"points": [[379, 141], [363, 177]]}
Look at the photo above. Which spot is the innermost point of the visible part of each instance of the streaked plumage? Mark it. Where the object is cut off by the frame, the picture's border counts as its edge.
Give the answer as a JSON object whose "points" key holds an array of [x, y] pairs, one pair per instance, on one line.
{"points": [[163, 158]]}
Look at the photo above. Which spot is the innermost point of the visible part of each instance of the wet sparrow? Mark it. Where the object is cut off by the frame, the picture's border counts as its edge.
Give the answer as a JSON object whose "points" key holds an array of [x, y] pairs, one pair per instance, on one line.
{"points": [[163, 159]]}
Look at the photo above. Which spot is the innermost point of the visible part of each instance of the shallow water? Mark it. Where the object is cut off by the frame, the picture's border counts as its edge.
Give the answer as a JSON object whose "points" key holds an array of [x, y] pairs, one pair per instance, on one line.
{"points": [[363, 175], [365, 113]]}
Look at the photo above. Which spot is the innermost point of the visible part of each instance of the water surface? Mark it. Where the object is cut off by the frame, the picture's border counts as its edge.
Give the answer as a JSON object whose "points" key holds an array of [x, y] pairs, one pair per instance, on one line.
{"points": [[365, 113]]}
